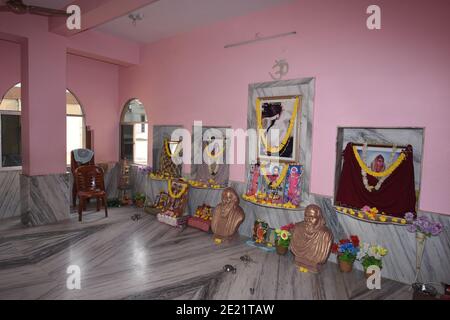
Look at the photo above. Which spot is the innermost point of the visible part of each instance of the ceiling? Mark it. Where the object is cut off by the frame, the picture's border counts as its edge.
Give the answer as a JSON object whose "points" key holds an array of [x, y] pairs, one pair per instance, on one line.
{"points": [[166, 18], [54, 4]]}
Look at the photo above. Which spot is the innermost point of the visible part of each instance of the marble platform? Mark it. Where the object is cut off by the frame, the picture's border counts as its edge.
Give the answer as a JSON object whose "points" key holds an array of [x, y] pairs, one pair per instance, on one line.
{"points": [[399, 265], [44, 199], [9, 194], [120, 258]]}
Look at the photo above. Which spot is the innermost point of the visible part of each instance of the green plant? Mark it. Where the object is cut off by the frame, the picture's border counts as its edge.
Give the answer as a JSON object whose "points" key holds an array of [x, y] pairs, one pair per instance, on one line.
{"points": [[139, 197], [346, 249], [284, 235], [368, 261], [371, 255], [113, 203]]}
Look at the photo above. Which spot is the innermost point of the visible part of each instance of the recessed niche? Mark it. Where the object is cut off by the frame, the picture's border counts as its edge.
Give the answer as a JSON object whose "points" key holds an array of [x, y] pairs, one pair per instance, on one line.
{"points": [[381, 136]]}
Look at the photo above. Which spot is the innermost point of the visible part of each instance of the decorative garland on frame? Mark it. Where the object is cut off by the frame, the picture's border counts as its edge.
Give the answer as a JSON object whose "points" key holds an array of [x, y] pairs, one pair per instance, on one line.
{"points": [[179, 194], [289, 130], [381, 176], [167, 149], [280, 179], [215, 155], [384, 173]]}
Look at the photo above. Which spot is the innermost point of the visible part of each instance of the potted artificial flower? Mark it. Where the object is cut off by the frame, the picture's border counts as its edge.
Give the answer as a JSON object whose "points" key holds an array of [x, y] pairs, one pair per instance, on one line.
{"points": [[346, 250], [284, 238], [371, 255], [424, 228], [139, 199]]}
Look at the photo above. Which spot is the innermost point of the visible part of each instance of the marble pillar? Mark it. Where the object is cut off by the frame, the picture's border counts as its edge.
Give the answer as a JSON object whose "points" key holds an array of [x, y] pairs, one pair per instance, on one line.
{"points": [[9, 194], [44, 199]]}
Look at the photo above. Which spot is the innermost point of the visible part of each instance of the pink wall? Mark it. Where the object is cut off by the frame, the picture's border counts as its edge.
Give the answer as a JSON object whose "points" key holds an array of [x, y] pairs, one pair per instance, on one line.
{"points": [[9, 65], [96, 85], [43, 78], [397, 76]]}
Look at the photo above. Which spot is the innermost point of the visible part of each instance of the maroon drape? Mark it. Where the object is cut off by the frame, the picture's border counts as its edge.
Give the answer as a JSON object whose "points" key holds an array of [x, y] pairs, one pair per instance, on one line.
{"points": [[395, 197]]}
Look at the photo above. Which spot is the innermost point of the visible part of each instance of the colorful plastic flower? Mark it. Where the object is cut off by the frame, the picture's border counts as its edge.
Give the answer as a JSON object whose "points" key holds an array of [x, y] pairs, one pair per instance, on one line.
{"points": [[284, 234]]}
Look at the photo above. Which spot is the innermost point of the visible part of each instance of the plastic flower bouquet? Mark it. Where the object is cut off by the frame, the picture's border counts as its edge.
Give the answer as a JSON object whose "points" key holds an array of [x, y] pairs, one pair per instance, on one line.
{"points": [[346, 250], [284, 236], [371, 255], [423, 224]]}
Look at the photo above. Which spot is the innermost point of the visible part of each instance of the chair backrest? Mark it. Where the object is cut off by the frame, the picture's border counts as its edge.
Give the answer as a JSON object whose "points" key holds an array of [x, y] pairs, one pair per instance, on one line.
{"points": [[89, 178], [74, 164]]}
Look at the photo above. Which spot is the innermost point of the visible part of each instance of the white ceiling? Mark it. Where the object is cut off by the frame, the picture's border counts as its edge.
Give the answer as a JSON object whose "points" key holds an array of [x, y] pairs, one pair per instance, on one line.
{"points": [[166, 18]]}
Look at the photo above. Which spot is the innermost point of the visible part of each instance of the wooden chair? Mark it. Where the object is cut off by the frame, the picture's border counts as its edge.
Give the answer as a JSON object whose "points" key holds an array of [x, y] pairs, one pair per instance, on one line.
{"points": [[74, 165], [90, 184]]}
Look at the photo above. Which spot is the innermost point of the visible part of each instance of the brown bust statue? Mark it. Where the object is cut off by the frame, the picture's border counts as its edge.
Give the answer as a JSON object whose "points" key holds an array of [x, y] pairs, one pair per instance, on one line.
{"points": [[311, 240], [227, 215]]}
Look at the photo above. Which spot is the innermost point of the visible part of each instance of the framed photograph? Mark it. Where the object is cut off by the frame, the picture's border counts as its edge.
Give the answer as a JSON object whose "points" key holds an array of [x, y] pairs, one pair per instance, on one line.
{"points": [[379, 158], [273, 180], [162, 199], [293, 189], [271, 237], [278, 120], [253, 180], [260, 228]]}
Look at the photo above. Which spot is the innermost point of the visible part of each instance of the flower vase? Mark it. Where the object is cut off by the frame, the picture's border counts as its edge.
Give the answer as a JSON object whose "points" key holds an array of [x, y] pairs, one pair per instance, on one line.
{"points": [[345, 266], [420, 248], [281, 250]]}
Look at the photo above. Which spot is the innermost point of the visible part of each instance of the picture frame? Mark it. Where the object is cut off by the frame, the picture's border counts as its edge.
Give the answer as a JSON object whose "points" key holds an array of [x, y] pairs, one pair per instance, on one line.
{"points": [[278, 128], [379, 157], [293, 184], [271, 172]]}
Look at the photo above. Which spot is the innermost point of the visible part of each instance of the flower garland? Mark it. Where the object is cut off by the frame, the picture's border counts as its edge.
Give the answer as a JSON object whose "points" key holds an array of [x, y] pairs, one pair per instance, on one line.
{"points": [[215, 155], [170, 154], [384, 173], [288, 132], [280, 179], [179, 194]]}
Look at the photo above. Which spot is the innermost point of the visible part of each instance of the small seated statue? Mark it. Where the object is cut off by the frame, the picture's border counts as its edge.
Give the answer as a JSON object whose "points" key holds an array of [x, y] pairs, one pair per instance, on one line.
{"points": [[311, 240], [227, 215]]}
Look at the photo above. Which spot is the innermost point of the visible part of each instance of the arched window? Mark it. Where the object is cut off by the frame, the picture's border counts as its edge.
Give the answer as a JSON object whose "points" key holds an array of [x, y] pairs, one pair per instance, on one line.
{"points": [[134, 132], [10, 108], [75, 127], [10, 129]]}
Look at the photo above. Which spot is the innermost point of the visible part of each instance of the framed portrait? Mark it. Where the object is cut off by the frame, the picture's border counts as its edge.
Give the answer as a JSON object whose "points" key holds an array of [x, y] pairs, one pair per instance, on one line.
{"points": [[273, 180], [277, 123], [253, 180], [162, 199], [260, 228], [293, 188], [271, 237], [378, 158]]}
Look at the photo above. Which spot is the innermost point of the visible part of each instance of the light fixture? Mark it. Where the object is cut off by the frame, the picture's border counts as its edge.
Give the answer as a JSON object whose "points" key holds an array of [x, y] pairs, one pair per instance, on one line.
{"points": [[135, 17]]}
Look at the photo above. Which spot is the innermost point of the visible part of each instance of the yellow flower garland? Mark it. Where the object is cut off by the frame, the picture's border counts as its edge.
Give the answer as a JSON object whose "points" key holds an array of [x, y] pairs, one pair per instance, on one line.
{"points": [[280, 178], [166, 147], [289, 130], [384, 173], [215, 156], [178, 195]]}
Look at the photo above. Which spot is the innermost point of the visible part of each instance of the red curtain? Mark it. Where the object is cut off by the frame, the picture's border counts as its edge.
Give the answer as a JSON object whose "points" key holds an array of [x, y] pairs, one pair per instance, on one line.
{"points": [[396, 195]]}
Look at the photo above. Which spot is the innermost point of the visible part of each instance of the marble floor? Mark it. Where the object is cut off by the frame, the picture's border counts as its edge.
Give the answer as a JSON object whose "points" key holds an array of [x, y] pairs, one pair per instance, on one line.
{"points": [[122, 258]]}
